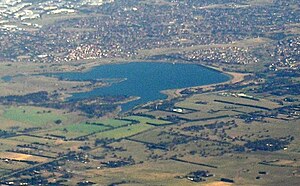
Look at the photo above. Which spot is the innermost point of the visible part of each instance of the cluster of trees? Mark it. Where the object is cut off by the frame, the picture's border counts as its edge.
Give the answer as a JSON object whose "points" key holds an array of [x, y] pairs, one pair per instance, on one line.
{"points": [[6, 134], [198, 176], [37, 97], [269, 144], [97, 106], [119, 163]]}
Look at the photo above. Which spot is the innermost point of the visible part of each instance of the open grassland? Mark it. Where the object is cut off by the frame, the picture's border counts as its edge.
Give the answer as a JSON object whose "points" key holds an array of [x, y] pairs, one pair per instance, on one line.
{"points": [[124, 131], [12, 125], [66, 146], [6, 167], [154, 136], [150, 173], [112, 122], [35, 116], [72, 131], [83, 128], [28, 84], [222, 104], [131, 150], [6, 144], [32, 139], [272, 127], [244, 168]]}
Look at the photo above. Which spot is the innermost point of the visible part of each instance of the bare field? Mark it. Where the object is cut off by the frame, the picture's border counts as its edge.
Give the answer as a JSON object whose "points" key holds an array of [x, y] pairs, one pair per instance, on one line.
{"points": [[19, 156]]}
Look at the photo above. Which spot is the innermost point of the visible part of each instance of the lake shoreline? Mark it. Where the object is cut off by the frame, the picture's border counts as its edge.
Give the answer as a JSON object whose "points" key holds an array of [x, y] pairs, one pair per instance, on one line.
{"points": [[235, 77], [158, 75]]}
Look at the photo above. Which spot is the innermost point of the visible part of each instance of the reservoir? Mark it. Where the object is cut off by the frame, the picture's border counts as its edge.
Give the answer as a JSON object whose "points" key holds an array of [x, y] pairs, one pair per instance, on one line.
{"points": [[144, 80]]}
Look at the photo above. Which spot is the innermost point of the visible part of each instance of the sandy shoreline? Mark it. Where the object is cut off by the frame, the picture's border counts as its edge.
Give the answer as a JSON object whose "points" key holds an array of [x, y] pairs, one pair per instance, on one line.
{"points": [[235, 78]]}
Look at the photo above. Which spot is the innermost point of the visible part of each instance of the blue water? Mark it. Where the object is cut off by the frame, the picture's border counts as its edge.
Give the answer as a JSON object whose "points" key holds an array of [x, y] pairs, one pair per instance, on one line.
{"points": [[6, 78], [145, 80], [9, 78]]}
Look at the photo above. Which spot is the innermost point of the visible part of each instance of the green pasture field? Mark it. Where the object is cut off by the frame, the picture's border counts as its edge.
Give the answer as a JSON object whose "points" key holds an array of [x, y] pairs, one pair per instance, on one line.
{"points": [[59, 134], [31, 139], [162, 114], [113, 122], [124, 131], [33, 115], [12, 125], [74, 130], [147, 120], [84, 128]]}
